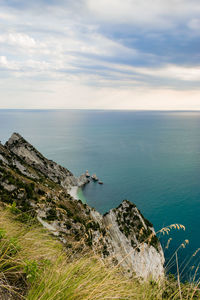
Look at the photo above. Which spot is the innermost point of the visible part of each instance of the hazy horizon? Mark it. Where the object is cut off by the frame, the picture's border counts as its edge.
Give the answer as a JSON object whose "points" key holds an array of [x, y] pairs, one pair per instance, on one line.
{"points": [[107, 109]]}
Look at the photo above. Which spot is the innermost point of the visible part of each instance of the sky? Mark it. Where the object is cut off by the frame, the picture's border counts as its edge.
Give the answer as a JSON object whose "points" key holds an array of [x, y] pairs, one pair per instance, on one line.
{"points": [[100, 54]]}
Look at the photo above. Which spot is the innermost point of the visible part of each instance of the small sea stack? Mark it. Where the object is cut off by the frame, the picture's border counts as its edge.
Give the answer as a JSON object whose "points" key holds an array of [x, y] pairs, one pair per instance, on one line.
{"points": [[87, 174], [94, 177]]}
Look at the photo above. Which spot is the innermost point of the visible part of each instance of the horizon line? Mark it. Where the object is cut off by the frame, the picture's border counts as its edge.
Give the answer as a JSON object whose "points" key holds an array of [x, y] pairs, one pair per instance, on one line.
{"points": [[107, 109]]}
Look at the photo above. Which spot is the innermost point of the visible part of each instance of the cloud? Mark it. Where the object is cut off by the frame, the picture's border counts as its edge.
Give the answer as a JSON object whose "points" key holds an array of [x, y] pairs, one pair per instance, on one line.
{"points": [[165, 14], [183, 73], [6, 16], [107, 50], [7, 65], [194, 25], [176, 72], [18, 39], [3, 61], [65, 94]]}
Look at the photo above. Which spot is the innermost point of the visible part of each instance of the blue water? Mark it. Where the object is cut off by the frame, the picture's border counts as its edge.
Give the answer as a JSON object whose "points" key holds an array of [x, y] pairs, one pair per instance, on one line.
{"points": [[150, 158]]}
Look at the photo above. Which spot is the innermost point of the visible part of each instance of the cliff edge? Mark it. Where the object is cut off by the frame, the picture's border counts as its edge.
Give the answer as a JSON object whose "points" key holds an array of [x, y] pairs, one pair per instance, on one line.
{"points": [[40, 187]]}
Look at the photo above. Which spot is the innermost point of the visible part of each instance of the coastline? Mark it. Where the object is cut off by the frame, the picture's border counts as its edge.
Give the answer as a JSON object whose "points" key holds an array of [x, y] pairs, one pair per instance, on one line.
{"points": [[77, 193], [74, 192]]}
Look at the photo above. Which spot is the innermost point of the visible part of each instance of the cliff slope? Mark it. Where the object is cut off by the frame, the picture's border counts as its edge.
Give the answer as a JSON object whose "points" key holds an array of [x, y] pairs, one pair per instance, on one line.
{"points": [[40, 187]]}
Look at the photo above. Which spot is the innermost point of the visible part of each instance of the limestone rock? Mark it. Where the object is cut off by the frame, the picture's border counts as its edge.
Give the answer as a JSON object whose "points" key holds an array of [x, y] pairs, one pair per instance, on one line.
{"points": [[132, 241], [123, 235], [18, 145], [8, 187]]}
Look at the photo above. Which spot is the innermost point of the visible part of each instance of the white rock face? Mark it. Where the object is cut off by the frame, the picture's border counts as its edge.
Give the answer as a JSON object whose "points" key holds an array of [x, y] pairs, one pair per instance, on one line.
{"points": [[9, 187], [48, 226], [73, 192], [18, 145], [127, 243], [82, 180], [96, 216], [3, 159], [123, 235], [24, 170]]}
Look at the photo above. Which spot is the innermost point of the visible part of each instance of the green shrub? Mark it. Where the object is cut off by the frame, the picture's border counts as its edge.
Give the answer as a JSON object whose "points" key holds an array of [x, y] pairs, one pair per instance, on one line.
{"points": [[31, 270], [13, 209], [51, 214], [2, 233]]}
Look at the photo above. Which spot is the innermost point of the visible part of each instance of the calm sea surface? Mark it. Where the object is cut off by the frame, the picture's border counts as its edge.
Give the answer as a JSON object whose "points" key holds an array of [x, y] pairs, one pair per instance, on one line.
{"points": [[150, 158]]}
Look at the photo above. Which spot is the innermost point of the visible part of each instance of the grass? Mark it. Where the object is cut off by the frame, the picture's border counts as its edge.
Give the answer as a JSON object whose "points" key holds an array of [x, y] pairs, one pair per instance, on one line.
{"points": [[35, 266]]}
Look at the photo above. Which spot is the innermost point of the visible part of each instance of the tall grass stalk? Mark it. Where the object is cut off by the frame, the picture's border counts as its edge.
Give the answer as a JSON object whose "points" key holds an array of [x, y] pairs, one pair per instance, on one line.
{"points": [[48, 272]]}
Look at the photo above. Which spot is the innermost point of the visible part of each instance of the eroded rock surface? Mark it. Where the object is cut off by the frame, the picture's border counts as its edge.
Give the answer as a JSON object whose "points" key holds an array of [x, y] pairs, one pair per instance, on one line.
{"points": [[41, 187], [132, 241], [18, 145]]}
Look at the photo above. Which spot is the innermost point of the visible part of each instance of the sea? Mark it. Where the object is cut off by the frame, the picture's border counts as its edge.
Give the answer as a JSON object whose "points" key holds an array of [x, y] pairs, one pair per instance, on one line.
{"points": [[151, 158]]}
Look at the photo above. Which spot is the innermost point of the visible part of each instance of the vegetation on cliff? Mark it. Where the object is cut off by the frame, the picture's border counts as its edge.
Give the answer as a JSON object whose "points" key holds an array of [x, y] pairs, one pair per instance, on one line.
{"points": [[40, 187], [81, 254], [35, 266]]}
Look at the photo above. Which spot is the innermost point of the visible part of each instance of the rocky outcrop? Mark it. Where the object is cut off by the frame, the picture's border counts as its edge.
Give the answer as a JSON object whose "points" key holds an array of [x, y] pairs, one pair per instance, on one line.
{"points": [[132, 241], [18, 145], [122, 236]]}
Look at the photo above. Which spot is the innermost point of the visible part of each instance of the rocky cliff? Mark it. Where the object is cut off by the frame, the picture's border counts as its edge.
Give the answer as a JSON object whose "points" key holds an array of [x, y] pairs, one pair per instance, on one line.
{"points": [[39, 187], [19, 146]]}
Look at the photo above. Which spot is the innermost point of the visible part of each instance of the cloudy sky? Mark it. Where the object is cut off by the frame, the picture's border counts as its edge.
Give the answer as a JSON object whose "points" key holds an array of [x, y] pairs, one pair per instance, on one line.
{"points": [[105, 54]]}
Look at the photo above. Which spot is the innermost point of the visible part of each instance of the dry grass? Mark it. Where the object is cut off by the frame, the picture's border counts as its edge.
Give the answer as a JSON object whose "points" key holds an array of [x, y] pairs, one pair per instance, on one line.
{"points": [[40, 269]]}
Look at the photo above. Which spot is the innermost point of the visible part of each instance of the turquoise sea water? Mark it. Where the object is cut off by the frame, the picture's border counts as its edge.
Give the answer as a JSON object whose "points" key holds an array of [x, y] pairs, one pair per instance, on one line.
{"points": [[150, 158], [81, 196]]}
